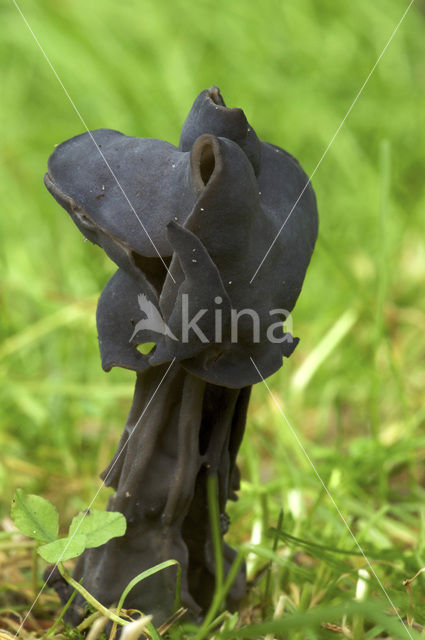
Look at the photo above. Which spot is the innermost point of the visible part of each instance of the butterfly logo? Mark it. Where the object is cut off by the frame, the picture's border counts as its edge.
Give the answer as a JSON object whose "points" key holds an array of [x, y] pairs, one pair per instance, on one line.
{"points": [[153, 321]]}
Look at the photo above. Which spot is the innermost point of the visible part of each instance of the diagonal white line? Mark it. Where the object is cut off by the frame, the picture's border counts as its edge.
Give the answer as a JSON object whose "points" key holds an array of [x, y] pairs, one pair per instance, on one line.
{"points": [[333, 138], [90, 134], [357, 543], [95, 496]]}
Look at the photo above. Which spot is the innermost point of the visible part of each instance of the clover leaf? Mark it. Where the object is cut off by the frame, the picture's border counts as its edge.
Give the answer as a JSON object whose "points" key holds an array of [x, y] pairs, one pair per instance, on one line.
{"points": [[98, 526], [37, 518]]}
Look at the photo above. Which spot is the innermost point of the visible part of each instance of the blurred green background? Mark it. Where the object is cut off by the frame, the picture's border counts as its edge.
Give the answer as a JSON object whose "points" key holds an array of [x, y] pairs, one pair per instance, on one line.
{"points": [[354, 388]]}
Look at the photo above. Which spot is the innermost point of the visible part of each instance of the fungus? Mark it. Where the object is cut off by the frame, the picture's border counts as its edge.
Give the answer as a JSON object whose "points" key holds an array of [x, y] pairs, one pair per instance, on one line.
{"points": [[187, 228]]}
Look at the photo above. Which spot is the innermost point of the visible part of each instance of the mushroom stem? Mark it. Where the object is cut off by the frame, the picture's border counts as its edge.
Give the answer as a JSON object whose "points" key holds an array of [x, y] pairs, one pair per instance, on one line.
{"points": [[159, 473]]}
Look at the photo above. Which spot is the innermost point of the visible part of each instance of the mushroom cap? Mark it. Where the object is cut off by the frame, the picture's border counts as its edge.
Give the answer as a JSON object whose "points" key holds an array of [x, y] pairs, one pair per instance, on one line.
{"points": [[209, 114], [237, 217], [216, 253], [130, 188]]}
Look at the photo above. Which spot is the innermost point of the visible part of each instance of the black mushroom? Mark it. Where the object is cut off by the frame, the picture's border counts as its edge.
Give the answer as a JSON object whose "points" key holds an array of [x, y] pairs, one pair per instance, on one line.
{"points": [[188, 228]]}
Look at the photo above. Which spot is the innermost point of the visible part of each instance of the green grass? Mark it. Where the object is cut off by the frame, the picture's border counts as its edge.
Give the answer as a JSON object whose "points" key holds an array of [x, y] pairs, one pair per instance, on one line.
{"points": [[353, 391]]}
